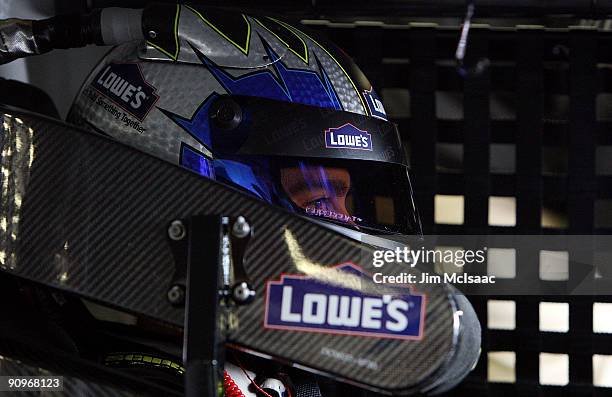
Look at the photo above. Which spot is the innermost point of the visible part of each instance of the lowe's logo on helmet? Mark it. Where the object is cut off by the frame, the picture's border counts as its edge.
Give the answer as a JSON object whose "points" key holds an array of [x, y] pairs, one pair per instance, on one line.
{"points": [[301, 303], [348, 137], [375, 104], [124, 84]]}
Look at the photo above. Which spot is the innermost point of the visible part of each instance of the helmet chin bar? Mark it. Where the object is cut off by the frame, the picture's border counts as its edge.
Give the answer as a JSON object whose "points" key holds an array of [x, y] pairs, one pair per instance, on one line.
{"points": [[105, 222], [390, 242]]}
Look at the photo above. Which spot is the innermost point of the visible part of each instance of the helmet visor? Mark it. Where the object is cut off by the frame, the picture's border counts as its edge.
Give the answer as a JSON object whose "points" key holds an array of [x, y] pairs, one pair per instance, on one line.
{"points": [[328, 164], [366, 195], [370, 196]]}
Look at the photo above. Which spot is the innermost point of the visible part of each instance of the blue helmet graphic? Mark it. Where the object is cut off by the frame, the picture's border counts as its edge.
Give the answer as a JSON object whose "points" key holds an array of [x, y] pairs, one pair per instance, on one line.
{"points": [[290, 85], [281, 83]]}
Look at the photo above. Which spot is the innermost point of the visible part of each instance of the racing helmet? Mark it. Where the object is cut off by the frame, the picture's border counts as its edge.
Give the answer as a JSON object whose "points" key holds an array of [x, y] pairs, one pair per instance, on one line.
{"points": [[255, 103]]}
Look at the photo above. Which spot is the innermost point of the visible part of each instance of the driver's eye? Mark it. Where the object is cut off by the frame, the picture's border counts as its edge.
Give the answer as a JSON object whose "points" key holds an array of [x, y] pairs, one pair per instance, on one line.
{"points": [[318, 204]]}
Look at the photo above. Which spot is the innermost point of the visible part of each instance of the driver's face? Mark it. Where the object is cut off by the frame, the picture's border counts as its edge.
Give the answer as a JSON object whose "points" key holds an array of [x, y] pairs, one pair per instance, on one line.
{"points": [[317, 187]]}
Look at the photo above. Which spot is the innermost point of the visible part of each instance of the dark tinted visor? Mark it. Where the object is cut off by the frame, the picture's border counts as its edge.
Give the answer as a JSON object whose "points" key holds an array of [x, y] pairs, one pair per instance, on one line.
{"points": [[369, 196], [327, 164]]}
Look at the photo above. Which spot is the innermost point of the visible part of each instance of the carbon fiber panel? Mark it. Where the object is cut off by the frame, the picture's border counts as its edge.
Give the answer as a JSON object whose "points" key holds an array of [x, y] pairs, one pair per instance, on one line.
{"points": [[86, 214]]}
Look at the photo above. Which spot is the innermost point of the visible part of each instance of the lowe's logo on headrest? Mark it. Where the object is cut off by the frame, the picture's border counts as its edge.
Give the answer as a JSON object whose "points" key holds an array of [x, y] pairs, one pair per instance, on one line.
{"points": [[348, 137], [301, 303], [124, 84]]}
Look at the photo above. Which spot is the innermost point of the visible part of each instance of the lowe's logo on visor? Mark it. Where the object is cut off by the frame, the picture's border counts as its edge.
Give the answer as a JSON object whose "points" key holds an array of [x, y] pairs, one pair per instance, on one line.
{"points": [[348, 137], [124, 84], [301, 303]]}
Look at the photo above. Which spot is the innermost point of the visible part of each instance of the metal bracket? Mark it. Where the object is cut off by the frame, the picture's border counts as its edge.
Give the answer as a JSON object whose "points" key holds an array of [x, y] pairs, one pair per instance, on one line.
{"points": [[203, 344], [210, 278], [235, 239], [242, 291]]}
